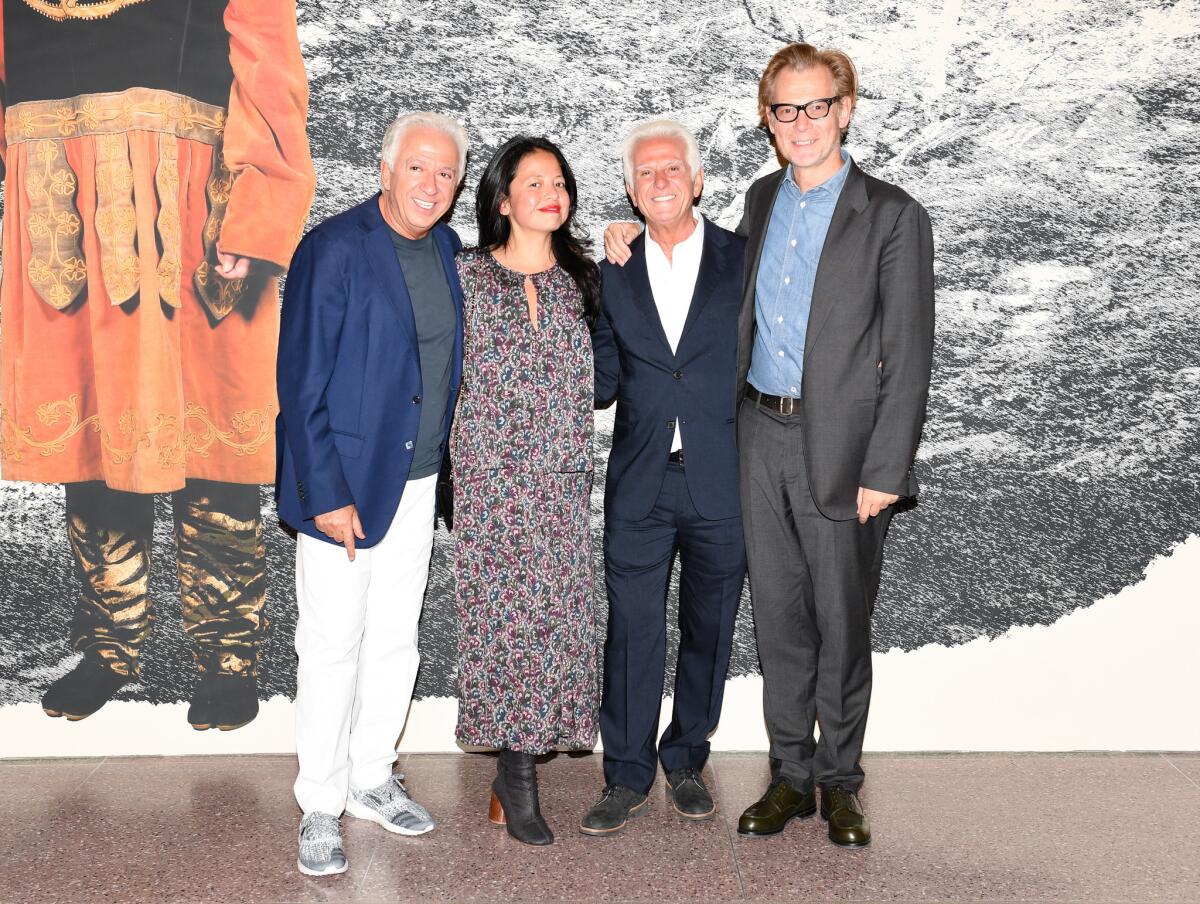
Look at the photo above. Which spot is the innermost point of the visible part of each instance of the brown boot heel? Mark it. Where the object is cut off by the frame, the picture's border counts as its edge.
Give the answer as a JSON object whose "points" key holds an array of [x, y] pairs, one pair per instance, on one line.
{"points": [[496, 811]]}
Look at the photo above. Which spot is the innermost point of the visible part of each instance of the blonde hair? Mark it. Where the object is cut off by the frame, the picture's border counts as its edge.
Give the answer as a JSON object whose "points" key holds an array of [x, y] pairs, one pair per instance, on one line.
{"points": [[804, 56]]}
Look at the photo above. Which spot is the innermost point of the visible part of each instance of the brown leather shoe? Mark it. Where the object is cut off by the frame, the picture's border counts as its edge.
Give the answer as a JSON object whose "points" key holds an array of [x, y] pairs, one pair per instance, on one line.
{"points": [[771, 812], [848, 826]]}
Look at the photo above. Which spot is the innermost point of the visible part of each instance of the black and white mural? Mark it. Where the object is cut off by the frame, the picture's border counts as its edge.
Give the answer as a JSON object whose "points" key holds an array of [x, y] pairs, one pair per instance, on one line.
{"points": [[1056, 148]]}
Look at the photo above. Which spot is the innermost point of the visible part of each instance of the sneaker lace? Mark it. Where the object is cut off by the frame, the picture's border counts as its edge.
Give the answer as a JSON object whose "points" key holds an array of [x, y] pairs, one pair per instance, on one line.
{"points": [[392, 797]]}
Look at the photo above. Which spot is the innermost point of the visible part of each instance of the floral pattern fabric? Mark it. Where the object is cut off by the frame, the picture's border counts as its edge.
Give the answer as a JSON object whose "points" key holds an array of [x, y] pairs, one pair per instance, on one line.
{"points": [[522, 451]]}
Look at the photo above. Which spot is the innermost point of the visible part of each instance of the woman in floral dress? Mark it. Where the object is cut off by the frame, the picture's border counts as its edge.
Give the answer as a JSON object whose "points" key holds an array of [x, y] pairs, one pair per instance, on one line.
{"points": [[522, 452]]}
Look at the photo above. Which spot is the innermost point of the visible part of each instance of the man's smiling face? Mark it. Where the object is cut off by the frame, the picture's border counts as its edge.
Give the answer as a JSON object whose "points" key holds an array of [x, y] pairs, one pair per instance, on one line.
{"points": [[419, 185], [811, 146], [664, 185]]}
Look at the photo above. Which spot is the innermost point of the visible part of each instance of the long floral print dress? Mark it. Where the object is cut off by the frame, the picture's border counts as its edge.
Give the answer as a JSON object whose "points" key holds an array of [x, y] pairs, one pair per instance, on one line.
{"points": [[522, 451]]}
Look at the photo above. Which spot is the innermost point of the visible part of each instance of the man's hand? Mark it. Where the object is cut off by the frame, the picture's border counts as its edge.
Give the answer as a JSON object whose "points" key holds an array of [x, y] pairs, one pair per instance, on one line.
{"points": [[872, 502], [616, 241], [341, 526], [231, 266]]}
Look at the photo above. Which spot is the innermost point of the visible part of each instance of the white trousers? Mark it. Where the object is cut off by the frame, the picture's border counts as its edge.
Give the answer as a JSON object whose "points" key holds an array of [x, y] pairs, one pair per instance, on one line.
{"points": [[356, 639]]}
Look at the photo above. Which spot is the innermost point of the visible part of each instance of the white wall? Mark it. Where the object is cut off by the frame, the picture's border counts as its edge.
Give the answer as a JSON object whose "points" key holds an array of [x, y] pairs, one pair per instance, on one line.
{"points": [[1123, 674]]}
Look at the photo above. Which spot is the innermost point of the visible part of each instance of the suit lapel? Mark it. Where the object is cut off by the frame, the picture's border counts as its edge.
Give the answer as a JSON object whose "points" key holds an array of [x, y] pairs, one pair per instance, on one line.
{"points": [[643, 295], [382, 256], [840, 253], [707, 278]]}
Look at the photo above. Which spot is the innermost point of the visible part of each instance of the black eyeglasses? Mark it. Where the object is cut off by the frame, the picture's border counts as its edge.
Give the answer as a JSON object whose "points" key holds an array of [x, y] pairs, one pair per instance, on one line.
{"points": [[814, 109]]}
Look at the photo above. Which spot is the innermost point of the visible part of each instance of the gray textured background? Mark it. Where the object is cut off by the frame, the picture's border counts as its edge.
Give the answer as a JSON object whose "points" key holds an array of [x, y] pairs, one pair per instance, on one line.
{"points": [[1055, 147]]}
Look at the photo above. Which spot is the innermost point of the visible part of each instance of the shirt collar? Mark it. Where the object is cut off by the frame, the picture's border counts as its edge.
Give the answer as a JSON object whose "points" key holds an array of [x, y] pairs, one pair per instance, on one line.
{"points": [[696, 238], [832, 185]]}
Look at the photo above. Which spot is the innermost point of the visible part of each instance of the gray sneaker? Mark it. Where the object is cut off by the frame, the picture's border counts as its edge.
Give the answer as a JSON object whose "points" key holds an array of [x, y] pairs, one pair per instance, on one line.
{"points": [[391, 807], [321, 851]]}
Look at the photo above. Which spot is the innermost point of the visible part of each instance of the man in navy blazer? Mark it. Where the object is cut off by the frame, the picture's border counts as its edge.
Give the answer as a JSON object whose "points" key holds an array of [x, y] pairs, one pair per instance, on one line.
{"points": [[665, 346], [370, 357]]}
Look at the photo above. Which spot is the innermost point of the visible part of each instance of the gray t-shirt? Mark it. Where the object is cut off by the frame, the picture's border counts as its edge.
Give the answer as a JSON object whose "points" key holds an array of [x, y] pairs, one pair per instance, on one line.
{"points": [[433, 309]]}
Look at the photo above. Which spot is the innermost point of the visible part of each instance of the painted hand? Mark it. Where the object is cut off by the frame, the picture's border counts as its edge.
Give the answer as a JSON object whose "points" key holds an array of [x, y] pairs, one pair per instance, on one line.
{"points": [[872, 502], [231, 266], [342, 526]]}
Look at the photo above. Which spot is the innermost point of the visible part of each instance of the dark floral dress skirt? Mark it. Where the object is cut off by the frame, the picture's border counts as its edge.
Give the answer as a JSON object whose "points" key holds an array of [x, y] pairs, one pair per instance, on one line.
{"points": [[522, 449]]}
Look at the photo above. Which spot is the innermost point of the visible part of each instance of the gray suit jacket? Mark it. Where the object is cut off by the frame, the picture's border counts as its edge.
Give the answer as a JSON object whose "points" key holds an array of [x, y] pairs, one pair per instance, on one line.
{"points": [[868, 351]]}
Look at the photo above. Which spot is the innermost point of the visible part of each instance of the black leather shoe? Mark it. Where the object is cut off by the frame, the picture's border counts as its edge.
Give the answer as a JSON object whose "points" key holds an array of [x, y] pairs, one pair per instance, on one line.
{"points": [[82, 691], [780, 804], [689, 797], [848, 825], [515, 804], [616, 806], [223, 701]]}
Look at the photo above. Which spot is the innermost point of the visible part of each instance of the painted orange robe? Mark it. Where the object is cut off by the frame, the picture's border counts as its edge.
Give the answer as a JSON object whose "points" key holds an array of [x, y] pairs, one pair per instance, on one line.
{"points": [[124, 356]]}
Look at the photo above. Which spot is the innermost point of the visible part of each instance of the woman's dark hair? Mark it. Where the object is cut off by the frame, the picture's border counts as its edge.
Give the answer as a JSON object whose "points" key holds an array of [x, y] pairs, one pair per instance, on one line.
{"points": [[570, 250]]}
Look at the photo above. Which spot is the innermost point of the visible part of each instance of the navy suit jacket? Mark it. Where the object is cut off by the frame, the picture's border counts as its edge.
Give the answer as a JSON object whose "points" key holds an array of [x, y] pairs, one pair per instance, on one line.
{"points": [[350, 373], [697, 384]]}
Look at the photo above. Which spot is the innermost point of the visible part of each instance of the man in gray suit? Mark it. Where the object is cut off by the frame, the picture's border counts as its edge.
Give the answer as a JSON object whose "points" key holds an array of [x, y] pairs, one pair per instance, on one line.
{"points": [[835, 345]]}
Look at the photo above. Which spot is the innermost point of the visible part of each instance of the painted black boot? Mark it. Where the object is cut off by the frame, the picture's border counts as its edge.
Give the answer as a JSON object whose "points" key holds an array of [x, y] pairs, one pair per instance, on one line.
{"points": [[82, 691], [515, 799], [223, 701]]}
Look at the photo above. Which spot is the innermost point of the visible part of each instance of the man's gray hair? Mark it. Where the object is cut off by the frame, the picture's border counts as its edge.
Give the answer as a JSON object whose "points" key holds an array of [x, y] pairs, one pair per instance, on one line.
{"points": [[446, 125], [659, 128]]}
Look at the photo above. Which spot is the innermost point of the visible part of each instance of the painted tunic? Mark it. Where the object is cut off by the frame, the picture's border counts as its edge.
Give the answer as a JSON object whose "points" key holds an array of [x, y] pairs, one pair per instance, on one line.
{"points": [[126, 356]]}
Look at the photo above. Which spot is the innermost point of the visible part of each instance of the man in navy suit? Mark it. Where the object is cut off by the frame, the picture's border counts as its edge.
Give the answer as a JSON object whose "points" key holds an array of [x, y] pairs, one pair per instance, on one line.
{"points": [[370, 357], [665, 346]]}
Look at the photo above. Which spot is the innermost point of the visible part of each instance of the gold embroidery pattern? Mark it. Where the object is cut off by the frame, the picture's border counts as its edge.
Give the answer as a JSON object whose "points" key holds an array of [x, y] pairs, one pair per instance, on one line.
{"points": [[61, 10], [219, 295], [56, 266], [166, 180], [116, 221], [140, 109], [259, 422], [251, 429]]}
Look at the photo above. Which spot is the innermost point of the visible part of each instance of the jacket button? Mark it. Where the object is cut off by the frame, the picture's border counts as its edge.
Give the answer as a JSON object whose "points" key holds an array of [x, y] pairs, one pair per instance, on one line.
{"points": [[416, 400], [670, 425], [678, 375]]}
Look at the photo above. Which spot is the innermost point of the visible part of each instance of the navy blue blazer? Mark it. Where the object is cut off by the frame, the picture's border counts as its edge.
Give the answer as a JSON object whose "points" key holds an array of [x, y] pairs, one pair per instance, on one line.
{"points": [[653, 387], [350, 373]]}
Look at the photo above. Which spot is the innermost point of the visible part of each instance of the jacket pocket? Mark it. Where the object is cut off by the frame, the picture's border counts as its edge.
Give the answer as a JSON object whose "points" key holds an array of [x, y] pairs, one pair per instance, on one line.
{"points": [[349, 445]]}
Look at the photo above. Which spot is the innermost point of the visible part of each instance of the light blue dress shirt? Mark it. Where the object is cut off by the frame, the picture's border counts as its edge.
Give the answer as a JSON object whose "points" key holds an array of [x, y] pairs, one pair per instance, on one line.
{"points": [[786, 274]]}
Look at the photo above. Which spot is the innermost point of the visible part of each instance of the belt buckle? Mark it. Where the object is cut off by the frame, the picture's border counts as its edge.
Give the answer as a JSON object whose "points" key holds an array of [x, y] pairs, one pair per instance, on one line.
{"points": [[786, 405]]}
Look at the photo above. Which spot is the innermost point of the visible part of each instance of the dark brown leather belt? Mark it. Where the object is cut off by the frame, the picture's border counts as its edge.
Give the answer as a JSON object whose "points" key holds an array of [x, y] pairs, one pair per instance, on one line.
{"points": [[676, 457], [785, 405]]}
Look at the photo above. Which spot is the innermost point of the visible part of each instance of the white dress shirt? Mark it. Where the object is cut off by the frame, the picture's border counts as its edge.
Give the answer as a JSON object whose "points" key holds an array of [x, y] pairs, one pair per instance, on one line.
{"points": [[672, 283]]}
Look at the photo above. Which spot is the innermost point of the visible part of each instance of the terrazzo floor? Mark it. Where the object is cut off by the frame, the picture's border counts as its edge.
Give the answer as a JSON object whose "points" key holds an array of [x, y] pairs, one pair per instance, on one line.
{"points": [[970, 827]]}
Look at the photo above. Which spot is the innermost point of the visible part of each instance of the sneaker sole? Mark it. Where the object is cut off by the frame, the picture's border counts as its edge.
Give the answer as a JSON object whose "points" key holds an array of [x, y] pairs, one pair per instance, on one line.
{"points": [[332, 871], [634, 812], [360, 812]]}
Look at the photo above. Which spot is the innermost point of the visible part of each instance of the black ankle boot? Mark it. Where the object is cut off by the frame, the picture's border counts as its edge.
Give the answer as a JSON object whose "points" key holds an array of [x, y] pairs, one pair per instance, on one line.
{"points": [[82, 691], [515, 799]]}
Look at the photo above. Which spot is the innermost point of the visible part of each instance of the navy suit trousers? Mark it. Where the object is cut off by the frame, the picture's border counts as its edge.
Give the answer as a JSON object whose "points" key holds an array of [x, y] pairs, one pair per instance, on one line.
{"points": [[637, 558]]}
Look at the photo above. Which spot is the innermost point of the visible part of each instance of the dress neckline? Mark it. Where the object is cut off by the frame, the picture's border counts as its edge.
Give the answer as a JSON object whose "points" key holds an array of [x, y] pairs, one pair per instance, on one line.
{"points": [[495, 260]]}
